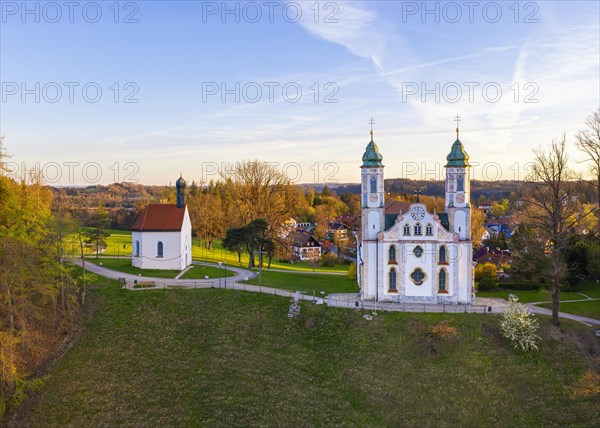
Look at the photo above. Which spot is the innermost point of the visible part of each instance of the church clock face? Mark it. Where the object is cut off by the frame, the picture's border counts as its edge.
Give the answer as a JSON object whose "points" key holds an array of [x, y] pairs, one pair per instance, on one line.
{"points": [[460, 198], [417, 213]]}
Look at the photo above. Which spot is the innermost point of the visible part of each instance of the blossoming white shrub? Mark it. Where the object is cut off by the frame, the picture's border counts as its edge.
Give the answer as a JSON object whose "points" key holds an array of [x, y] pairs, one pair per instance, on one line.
{"points": [[519, 326]]}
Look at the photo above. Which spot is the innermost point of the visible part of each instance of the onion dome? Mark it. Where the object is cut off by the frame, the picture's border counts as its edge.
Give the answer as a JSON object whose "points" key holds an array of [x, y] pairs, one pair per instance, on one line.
{"points": [[372, 158], [457, 157], [180, 183]]}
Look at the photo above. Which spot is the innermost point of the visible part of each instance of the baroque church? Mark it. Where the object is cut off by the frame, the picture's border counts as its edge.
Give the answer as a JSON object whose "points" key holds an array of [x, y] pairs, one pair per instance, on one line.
{"points": [[407, 254]]}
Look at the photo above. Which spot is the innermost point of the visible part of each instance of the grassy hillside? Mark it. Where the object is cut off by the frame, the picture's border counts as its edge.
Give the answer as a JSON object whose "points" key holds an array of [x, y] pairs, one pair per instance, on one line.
{"points": [[224, 358]]}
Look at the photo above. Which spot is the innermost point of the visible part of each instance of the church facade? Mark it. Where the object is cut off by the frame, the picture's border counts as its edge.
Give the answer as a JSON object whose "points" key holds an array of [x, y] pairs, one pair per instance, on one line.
{"points": [[407, 254]]}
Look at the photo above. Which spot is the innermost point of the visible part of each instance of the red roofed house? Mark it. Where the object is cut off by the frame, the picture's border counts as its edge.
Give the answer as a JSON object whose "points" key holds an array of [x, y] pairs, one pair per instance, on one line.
{"points": [[162, 235]]}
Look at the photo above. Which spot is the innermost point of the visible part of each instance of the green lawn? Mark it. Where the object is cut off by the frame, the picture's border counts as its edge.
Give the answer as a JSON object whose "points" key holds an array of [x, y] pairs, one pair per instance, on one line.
{"points": [[226, 358], [218, 253], [529, 296], [196, 272], [199, 272], [119, 244], [590, 308], [124, 265], [590, 288], [307, 282]]}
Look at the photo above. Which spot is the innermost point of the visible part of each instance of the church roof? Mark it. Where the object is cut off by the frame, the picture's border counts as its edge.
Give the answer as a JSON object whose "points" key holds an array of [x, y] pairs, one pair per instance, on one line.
{"points": [[457, 157], [160, 218], [372, 158], [393, 208], [391, 211], [444, 220]]}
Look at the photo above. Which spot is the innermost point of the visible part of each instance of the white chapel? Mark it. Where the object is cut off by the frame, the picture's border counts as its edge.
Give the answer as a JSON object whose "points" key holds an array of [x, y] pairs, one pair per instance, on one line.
{"points": [[407, 254], [161, 236]]}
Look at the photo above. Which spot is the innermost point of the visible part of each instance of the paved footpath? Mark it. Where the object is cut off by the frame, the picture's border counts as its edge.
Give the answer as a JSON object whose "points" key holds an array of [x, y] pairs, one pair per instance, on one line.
{"points": [[240, 275], [544, 311], [481, 304]]}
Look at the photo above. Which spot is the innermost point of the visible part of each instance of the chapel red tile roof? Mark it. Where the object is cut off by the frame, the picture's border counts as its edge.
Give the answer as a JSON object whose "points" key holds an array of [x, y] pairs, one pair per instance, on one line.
{"points": [[160, 218]]}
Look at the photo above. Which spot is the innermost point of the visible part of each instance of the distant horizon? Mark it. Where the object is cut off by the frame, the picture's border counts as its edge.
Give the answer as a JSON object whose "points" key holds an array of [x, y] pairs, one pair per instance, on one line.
{"points": [[307, 185]]}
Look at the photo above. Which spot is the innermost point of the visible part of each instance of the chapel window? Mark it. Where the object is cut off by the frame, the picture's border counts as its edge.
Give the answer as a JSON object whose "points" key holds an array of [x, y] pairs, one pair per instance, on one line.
{"points": [[418, 229], [442, 281], [442, 254], [418, 276], [373, 185], [392, 253], [429, 230], [418, 251], [392, 280]]}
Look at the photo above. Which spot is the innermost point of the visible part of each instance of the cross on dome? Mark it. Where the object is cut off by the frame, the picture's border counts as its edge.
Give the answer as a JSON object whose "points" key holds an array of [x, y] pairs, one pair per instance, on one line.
{"points": [[457, 118]]}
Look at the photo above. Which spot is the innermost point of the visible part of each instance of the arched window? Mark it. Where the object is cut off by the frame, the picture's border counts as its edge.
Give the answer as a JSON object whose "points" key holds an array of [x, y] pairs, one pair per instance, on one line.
{"points": [[392, 278], [159, 249], [406, 230], [442, 257], [137, 248], [418, 230], [429, 230], [373, 185], [460, 186], [442, 281], [392, 253]]}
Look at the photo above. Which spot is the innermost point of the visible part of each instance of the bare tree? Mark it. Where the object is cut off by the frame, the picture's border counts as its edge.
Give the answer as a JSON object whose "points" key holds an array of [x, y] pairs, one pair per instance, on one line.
{"points": [[588, 141], [553, 210], [3, 157]]}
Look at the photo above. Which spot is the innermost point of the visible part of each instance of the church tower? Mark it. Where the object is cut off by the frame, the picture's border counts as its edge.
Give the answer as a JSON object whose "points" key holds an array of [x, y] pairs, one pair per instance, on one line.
{"points": [[372, 216], [180, 185], [458, 190]]}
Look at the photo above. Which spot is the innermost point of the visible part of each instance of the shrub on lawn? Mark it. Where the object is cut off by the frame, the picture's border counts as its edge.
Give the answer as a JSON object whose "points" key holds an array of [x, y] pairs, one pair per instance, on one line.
{"points": [[519, 326], [486, 270], [329, 259], [352, 271], [487, 284], [521, 286]]}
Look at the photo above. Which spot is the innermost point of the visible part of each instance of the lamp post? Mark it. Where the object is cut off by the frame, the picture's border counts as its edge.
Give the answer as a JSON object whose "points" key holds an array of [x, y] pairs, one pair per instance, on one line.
{"points": [[220, 263]]}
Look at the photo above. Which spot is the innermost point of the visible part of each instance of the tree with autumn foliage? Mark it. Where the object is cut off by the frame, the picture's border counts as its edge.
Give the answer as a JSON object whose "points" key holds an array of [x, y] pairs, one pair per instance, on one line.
{"points": [[38, 291]]}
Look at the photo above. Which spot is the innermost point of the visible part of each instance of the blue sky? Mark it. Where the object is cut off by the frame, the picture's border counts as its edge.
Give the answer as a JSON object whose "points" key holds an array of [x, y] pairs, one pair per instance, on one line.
{"points": [[365, 58]]}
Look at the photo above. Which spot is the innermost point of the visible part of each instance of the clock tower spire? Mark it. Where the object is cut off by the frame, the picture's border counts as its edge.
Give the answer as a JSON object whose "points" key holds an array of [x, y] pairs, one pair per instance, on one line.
{"points": [[372, 218], [458, 189]]}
